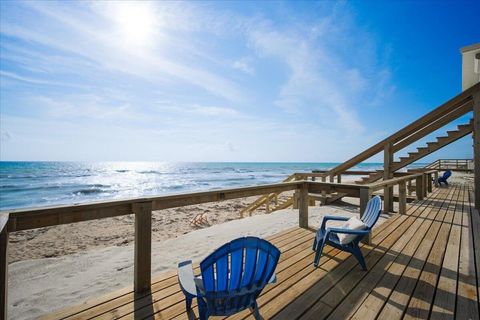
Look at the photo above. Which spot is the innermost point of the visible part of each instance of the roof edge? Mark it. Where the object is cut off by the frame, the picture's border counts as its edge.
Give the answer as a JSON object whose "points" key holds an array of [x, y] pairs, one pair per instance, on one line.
{"points": [[470, 48]]}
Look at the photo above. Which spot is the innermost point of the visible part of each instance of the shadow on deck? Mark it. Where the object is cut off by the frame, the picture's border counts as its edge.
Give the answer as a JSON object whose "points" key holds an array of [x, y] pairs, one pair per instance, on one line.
{"points": [[421, 265]]}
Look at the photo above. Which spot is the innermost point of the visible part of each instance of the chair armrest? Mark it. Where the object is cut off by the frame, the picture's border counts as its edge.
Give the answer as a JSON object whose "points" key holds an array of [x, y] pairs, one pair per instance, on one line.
{"points": [[273, 279], [348, 231], [186, 278], [336, 218]]}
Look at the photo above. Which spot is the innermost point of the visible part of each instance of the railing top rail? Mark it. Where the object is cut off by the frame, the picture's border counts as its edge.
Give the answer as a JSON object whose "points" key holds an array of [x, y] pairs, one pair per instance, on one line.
{"points": [[3, 220], [31, 218], [324, 173], [391, 182]]}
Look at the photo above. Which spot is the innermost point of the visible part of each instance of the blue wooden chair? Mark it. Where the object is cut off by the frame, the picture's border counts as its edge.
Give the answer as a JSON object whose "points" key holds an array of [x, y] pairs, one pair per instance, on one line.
{"points": [[329, 235], [443, 179], [232, 277]]}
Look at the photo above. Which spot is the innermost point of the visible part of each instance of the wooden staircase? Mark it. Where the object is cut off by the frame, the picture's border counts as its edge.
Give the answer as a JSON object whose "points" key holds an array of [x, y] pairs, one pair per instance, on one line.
{"points": [[443, 115], [452, 136], [271, 201]]}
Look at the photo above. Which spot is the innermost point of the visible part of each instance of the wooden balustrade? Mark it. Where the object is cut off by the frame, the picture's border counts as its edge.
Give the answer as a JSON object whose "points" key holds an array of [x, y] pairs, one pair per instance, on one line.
{"points": [[142, 208], [3, 265]]}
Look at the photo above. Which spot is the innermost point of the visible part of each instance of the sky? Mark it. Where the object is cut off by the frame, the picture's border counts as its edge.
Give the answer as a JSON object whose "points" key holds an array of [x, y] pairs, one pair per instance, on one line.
{"points": [[225, 81]]}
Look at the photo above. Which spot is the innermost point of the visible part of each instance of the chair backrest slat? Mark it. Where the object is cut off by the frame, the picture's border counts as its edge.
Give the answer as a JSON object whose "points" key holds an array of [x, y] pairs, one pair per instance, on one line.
{"points": [[372, 212], [236, 273], [447, 174]]}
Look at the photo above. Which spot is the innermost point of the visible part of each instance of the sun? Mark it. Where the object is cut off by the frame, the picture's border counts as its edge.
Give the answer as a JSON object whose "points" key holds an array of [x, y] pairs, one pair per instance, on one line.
{"points": [[135, 22]]}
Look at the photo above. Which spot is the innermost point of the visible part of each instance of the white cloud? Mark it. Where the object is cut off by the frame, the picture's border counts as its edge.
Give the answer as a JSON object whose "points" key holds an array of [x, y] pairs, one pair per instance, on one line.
{"points": [[244, 65], [93, 41]]}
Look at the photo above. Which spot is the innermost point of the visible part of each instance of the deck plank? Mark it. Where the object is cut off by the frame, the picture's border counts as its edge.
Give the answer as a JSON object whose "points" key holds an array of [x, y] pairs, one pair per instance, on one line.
{"points": [[445, 295], [400, 296], [357, 294], [422, 297], [421, 264], [375, 301], [467, 299], [336, 279]]}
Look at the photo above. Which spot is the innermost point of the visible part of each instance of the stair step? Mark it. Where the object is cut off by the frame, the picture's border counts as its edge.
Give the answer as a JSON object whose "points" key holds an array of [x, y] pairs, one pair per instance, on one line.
{"points": [[432, 143], [404, 158], [442, 138], [420, 149], [413, 153], [452, 132], [464, 126]]}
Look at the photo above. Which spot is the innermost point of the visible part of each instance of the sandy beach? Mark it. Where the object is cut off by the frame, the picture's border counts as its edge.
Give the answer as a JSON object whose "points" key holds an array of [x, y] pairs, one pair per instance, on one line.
{"points": [[52, 268]]}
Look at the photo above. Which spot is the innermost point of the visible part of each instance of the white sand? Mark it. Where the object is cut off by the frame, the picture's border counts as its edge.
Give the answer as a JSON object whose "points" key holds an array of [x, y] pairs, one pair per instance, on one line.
{"points": [[44, 285]]}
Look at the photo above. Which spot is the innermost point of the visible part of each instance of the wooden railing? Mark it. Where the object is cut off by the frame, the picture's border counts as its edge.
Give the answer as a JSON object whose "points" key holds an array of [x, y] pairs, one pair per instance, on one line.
{"points": [[452, 164], [142, 208]]}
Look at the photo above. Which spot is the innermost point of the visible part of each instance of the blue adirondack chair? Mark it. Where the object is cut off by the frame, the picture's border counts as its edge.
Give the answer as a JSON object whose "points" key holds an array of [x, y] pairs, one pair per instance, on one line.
{"points": [[329, 235], [443, 179], [232, 277]]}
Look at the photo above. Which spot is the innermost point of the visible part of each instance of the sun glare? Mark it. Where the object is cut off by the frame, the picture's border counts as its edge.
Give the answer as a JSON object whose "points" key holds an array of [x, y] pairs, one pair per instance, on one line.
{"points": [[136, 23]]}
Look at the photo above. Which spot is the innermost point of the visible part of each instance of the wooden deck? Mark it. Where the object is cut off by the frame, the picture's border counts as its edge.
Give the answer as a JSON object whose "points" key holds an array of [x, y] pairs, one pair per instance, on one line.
{"points": [[423, 264]]}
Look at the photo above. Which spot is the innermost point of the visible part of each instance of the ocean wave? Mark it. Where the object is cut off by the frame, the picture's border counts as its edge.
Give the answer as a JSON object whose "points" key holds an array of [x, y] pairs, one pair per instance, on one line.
{"points": [[88, 191], [150, 172]]}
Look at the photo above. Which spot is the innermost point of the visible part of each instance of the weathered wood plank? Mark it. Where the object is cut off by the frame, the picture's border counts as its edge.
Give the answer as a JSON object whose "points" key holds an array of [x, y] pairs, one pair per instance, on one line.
{"points": [[3, 266], [370, 308], [445, 295], [354, 291], [422, 297], [308, 300], [399, 298], [467, 297], [143, 246]]}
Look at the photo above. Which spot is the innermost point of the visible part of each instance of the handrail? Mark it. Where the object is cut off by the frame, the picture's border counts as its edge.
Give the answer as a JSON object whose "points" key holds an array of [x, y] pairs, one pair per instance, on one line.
{"points": [[391, 182], [49, 216], [453, 164], [3, 220], [435, 115]]}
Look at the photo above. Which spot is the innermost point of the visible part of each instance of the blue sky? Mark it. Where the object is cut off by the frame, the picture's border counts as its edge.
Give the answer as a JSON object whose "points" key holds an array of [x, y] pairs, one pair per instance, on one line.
{"points": [[224, 81]]}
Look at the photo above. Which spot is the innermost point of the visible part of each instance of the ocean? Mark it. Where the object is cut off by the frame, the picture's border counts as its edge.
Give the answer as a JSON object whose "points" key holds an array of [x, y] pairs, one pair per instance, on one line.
{"points": [[37, 184]]}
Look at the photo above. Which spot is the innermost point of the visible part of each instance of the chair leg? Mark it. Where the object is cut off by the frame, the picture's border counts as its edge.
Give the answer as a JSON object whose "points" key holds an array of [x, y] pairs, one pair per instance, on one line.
{"points": [[318, 252], [188, 301], [358, 254], [314, 243], [255, 311], [202, 309]]}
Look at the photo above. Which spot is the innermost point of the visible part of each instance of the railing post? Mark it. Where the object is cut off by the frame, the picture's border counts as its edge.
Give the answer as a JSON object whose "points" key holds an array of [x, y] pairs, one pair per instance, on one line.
{"points": [[419, 187], [267, 203], [3, 266], [296, 199], [409, 187], [387, 174], [435, 179], [402, 197], [429, 182], [339, 178], [476, 147], [425, 192], [143, 246], [303, 206], [365, 195]]}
